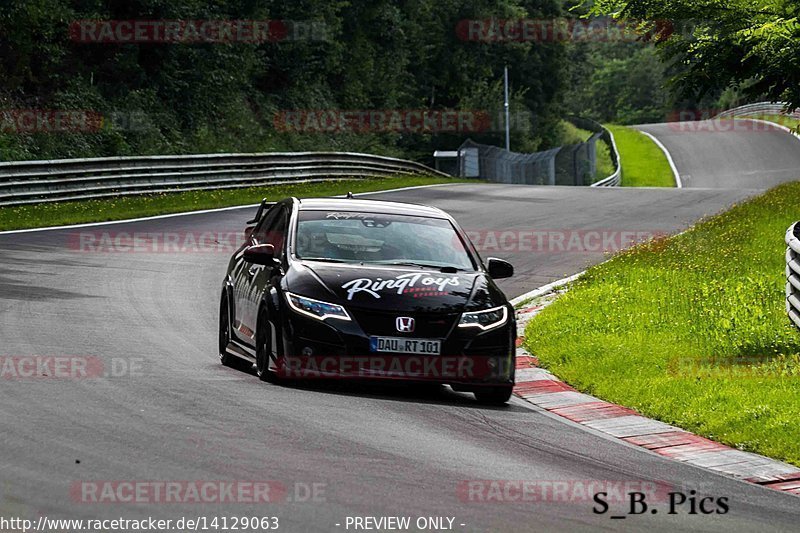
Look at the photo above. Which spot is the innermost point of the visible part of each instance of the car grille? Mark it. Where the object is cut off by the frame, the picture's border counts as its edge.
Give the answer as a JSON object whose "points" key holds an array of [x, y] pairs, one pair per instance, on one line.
{"points": [[426, 325]]}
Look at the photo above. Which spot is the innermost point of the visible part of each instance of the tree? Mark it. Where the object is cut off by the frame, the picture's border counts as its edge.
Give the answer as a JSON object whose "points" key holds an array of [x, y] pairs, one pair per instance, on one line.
{"points": [[750, 44], [212, 96]]}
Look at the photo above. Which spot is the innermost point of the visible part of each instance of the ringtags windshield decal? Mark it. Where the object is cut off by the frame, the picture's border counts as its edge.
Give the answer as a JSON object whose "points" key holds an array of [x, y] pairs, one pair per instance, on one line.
{"points": [[348, 215], [399, 284]]}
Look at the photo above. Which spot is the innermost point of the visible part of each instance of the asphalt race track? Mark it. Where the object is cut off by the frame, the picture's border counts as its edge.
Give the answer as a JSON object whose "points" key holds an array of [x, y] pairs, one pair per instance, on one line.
{"points": [[729, 154], [616, 214], [171, 412]]}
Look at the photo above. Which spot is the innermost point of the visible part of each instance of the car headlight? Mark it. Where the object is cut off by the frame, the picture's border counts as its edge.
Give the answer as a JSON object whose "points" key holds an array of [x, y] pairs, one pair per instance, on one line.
{"points": [[487, 319], [316, 308]]}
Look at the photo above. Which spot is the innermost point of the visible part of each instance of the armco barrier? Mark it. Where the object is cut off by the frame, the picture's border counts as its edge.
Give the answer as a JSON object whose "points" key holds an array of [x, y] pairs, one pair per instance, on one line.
{"points": [[614, 179], [573, 164], [606, 136], [29, 182], [760, 108], [793, 273]]}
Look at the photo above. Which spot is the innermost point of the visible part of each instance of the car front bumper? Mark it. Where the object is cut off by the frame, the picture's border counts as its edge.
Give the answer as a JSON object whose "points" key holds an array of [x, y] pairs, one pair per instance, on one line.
{"points": [[332, 349]]}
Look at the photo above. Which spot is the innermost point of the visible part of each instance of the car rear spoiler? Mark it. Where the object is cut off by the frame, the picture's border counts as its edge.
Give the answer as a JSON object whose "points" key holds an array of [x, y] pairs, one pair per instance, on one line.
{"points": [[265, 205]]}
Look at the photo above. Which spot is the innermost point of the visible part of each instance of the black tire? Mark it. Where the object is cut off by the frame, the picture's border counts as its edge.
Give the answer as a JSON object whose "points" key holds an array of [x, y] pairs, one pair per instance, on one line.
{"points": [[494, 395], [263, 349], [225, 357], [427, 389]]}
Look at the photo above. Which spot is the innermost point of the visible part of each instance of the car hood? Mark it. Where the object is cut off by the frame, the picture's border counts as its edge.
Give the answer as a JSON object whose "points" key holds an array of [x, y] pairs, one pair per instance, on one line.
{"points": [[402, 290]]}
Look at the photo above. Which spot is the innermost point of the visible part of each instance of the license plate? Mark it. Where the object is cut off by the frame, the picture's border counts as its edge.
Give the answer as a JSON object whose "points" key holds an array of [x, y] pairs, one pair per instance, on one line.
{"points": [[405, 345]]}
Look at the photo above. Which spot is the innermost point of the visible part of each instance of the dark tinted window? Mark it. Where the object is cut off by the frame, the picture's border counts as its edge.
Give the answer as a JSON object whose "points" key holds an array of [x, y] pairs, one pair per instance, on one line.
{"points": [[272, 229], [380, 238]]}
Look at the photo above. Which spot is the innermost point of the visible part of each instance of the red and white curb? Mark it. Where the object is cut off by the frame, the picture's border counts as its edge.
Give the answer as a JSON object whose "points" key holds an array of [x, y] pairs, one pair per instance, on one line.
{"points": [[543, 389]]}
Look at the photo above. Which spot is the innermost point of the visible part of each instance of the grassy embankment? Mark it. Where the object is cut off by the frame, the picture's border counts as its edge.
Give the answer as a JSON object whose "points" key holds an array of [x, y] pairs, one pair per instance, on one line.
{"points": [[643, 162], [691, 329]]}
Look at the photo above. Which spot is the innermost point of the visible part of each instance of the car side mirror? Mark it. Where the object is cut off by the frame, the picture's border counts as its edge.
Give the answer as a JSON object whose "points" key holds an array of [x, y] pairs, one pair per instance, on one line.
{"points": [[260, 254], [498, 268]]}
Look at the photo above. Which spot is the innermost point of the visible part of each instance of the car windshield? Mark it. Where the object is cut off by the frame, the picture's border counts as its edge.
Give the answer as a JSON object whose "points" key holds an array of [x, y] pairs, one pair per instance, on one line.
{"points": [[375, 238]]}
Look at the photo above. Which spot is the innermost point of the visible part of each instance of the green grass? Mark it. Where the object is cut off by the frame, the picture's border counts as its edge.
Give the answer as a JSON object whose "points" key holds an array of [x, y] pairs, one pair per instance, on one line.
{"points": [[123, 207], [643, 163], [691, 329], [571, 134]]}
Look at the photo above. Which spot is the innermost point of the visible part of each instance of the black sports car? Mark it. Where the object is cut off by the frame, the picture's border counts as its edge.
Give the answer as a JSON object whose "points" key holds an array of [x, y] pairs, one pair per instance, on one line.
{"points": [[346, 288]]}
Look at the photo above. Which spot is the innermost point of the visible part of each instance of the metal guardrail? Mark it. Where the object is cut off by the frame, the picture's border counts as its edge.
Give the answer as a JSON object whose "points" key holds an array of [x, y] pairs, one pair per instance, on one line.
{"points": [[793, 273], [498, 165], [763, 108], [607, 137], [614, 179], [29, 182], [572, 164], [759, 108]]}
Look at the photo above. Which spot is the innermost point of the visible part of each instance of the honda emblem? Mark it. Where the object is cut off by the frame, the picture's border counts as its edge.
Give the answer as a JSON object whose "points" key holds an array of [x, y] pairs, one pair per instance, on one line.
{"points": [[405, 324]]}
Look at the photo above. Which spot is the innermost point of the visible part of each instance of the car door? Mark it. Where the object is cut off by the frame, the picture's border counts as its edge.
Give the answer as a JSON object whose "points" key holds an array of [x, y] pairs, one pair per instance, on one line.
{"points": [[267, 279], [254, 279], [242, 275]]}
